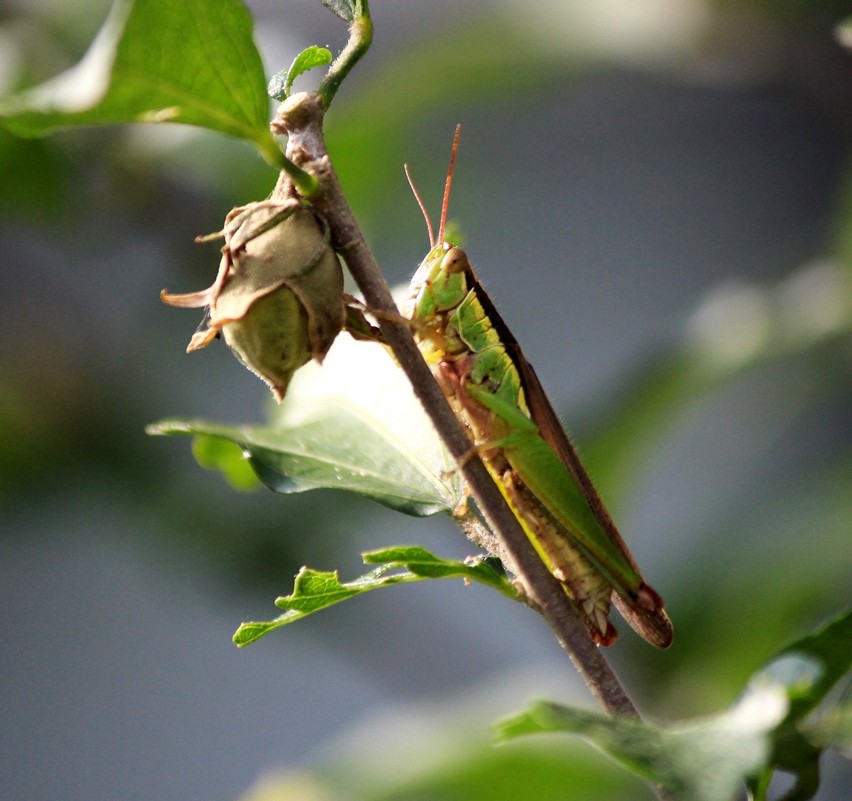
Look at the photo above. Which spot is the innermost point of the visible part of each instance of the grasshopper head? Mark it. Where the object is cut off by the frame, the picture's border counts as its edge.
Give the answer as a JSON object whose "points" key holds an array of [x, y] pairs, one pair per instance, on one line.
{"points": [[439, 284]]}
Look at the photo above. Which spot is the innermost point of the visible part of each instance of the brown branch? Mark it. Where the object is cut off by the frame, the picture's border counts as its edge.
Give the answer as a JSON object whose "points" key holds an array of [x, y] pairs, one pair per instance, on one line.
{"points": [[300, 118]]}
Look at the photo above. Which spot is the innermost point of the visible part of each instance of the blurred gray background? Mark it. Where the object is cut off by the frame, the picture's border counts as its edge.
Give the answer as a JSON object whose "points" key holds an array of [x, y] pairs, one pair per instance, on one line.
{"points": [[621, 166]]}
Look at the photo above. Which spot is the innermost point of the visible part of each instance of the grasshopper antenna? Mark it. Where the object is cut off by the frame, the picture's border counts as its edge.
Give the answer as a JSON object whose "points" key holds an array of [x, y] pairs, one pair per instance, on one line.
{"points": [[422, 206], [446, 204]]}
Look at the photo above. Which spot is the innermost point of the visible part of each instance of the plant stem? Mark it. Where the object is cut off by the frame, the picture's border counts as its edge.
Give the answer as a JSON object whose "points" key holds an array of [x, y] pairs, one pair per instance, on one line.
{"points": [[300, 117], [360, 38]]}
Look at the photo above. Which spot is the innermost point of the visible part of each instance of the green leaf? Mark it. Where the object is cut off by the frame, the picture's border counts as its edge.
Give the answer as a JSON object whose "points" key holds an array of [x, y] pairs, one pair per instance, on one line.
{"points": [[192, 62], [806, 671], [351, 424], [809, 667], [345, 9], [706, 760], [315, 590], [36, 176], [215, 453], [282, 82], [423, 563], [438, 752], [703, 761]]}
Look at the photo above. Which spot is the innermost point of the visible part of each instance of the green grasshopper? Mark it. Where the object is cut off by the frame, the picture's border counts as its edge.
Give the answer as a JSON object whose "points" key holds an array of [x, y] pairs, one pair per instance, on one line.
{"points": [[498, 397]]}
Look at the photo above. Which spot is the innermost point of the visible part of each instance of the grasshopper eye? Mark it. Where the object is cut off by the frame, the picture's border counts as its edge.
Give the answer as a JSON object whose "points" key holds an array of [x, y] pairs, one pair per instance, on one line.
{"points": [[455, 261]]}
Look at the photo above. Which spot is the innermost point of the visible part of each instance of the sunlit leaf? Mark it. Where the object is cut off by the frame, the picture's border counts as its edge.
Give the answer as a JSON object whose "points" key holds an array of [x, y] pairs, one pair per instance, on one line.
{"points": [[192, 62], [316, 590], [707, 759], [806, 671], [282, 82], [425, 564], [809, 667], [351, 424]]}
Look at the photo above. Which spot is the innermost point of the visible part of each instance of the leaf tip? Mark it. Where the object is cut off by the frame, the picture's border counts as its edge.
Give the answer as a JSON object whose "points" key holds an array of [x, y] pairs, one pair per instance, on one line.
{"points": [[248, 633]]}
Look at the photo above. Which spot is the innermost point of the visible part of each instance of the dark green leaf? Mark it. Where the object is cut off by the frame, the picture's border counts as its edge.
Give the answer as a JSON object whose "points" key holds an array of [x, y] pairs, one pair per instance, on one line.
{"points": [[282, 82], [34, 174], [191, 62], [315, 590], [351, 424]]}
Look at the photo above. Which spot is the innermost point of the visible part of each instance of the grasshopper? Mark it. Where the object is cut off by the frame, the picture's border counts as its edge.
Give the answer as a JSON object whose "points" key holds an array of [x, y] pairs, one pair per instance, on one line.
{"points": [[496, 394]]}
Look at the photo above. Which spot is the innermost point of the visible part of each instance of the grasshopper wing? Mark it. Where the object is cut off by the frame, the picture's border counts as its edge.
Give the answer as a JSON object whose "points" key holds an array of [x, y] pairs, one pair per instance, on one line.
{"points": [[644, 613]]}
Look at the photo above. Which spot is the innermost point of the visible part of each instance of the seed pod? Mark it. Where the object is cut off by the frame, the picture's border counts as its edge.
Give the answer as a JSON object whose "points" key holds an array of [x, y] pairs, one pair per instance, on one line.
{"points": [[278, 296]]}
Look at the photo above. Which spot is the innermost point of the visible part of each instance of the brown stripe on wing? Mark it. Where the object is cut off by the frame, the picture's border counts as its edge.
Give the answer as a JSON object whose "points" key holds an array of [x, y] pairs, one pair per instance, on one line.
{"points": [[644, 613]]}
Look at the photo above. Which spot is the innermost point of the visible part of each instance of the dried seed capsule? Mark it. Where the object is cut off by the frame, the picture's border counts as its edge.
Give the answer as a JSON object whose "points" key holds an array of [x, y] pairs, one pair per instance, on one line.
{"points": [[278, 296], [271, 339]]}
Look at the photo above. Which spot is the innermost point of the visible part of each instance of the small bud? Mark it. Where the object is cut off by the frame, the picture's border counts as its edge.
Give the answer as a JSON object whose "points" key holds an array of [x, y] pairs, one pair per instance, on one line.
{"points": [[278, 296]]}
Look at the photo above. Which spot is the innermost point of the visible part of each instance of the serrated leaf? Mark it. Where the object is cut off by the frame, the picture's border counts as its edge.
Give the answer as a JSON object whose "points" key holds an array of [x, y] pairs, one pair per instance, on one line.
{"points": [[316, 590], [282, 82], [345, 9], [424, 563], [192, 62], [706, 760], [351, 424]]}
